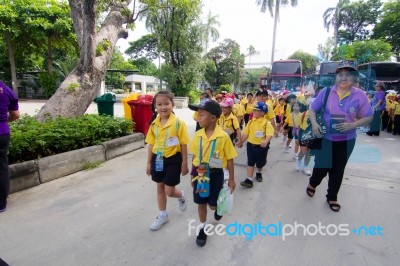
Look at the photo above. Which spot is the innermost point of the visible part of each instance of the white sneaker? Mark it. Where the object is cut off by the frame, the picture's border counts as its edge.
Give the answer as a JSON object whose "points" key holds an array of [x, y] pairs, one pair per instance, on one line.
{"points": [[286, 150], [307, 171], [159, 222], [298, 165], [295, 157], [182, 202]]}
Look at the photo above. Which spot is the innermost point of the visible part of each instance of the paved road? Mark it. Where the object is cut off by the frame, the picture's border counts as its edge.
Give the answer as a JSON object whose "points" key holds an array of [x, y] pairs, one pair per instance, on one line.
{"points": [[102, 216]]}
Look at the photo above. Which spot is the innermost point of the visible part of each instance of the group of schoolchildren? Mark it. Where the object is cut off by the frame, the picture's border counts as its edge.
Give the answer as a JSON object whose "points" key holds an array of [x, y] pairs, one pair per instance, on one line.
{"points": [[391, 114], [221, 124]]}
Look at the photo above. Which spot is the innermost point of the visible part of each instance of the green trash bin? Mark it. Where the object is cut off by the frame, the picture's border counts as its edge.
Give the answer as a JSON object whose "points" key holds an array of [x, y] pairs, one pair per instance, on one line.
{"points": [[105, 104]]}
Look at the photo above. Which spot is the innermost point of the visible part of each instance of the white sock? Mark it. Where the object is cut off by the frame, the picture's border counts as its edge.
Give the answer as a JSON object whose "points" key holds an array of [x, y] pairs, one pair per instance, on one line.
{"points": [[250, 178], [259, 171], [163, 213]]}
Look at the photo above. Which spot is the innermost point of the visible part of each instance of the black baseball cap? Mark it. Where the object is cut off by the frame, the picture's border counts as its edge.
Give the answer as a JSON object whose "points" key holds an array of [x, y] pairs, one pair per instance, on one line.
{"points": [[208, 105], [263, 92]]}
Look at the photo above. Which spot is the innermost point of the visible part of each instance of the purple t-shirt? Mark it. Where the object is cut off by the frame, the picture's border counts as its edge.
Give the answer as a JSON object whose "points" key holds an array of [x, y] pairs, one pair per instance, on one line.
{"points": [[349, 109], [8, 102], [379, 96]]}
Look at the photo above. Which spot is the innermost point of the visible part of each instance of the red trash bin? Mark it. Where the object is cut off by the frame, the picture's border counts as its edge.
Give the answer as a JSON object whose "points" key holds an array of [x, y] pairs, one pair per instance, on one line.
{"points": [[141, 114]]}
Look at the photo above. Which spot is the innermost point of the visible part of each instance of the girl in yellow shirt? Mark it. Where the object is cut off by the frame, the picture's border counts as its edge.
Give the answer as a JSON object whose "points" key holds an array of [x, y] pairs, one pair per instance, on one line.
{"points": [[167, 155]]}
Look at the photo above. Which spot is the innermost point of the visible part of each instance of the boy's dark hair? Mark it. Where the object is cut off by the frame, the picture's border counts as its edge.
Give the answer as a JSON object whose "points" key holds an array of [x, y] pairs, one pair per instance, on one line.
{"points": [[209, 89], [205, 95], [250, 94], [281, 99]]}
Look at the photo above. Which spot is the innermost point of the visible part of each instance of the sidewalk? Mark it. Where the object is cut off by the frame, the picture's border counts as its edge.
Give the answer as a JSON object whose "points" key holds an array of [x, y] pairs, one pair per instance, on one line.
{"points": [[102, 216]]}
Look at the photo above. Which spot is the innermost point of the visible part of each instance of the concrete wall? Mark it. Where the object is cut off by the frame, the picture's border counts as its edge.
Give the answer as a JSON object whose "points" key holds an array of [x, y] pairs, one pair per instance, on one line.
{"points": [[33, 173]]}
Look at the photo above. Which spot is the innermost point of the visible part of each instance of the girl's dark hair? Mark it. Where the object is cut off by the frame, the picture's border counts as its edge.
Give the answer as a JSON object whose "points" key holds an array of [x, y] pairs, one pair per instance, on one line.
{"points": [[302, 107], [165, 93], [281, 99], [153, 104]]}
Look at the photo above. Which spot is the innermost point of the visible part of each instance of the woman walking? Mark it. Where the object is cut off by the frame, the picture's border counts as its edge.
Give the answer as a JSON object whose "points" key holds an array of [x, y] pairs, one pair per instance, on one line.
{"points": [[347, 108]]}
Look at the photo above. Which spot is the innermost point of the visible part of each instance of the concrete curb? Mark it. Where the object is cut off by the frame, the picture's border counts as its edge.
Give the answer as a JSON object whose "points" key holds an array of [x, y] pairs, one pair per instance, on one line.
{"points": [[24, 175], [117, 147], [33, 173]]}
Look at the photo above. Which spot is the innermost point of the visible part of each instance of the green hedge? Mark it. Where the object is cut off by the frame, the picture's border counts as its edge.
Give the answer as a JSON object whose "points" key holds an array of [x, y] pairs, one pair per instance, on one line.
{"points": [[31, 139]]}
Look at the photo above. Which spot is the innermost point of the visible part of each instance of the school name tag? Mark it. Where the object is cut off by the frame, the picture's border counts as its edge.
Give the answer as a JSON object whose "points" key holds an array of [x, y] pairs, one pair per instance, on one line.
{"points": [[172, 142], [259, 134], [215, 163]]}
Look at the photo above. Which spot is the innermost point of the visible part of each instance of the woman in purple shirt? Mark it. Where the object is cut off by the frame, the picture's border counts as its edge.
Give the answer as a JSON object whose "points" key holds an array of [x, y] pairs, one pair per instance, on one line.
{"points": [[8, 113], [347, 108], [378, 104]]}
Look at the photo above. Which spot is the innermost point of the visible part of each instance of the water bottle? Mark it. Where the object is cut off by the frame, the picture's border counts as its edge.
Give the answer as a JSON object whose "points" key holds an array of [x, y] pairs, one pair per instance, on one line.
{"points": [[159, 163]]}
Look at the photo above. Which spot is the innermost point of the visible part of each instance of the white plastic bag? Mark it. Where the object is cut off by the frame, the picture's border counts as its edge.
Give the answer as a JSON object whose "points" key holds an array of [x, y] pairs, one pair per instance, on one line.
{"points": [[225, 201]]}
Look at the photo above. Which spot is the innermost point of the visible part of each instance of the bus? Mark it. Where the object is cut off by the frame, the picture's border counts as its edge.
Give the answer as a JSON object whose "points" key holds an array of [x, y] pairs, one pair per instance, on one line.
{"points": [[326, 73], [388, 72], [286, 73]]}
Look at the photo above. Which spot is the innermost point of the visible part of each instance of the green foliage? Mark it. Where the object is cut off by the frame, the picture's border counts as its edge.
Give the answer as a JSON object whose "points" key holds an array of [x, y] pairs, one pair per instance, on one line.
{"points": [[49, 82], [102, 46], [308, 61], [176, 25], [364, 51], [72, 87], [388, 28], [224, 87], [145, 66], [224, 64], [357, 20], [145, 46], [32, 139], [115, 79], [91, 165], [194, 96]]}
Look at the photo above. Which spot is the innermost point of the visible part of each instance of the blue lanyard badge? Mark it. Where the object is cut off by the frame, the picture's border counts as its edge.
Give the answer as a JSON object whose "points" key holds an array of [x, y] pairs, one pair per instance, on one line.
{"points": [[161, 152]]}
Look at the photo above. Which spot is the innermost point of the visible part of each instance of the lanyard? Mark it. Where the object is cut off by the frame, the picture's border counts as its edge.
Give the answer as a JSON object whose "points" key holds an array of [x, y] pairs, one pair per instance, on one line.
{"points": [[163, 145], [212, 149]]}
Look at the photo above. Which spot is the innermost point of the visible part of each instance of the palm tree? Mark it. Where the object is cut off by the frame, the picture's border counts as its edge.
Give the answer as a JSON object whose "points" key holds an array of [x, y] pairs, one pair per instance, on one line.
{"points": [[210, 30], [270, 4], [251, 51], [334, 16]]}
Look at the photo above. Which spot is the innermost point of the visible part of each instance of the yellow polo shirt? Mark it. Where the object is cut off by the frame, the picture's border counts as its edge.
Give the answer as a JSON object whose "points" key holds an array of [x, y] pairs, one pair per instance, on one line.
{"points": [[224, 148], [304, 124], [229, 124], [396, 108], [237, 110], [296, 118], [279, 110], [256, 125], [159, 135]]}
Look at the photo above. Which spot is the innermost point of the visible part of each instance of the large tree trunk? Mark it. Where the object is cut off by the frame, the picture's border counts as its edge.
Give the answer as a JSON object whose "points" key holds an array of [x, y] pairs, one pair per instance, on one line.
{"points": [[11, 58], [78, 90]]}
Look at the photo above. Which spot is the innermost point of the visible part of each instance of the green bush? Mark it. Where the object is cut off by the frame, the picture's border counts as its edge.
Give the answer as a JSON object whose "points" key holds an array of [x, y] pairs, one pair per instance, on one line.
{"points": [[31, 139], [225, 87], [194, 96]]}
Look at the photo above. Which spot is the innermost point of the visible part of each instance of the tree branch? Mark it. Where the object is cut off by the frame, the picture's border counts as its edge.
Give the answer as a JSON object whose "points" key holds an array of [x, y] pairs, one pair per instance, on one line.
{"points": [[76, 15]]}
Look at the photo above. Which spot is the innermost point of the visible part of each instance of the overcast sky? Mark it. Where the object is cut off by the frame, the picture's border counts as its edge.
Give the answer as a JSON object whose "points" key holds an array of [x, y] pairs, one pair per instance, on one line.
{"points": [[299, 28]]}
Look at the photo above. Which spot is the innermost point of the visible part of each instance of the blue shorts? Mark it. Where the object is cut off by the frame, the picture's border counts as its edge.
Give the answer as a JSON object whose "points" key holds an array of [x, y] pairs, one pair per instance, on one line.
{"points": [[216, 184], [256, 155]]}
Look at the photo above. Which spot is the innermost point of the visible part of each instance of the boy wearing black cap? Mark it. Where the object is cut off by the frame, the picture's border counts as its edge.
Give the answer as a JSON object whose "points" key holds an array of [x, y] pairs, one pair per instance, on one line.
{"points": [[212, 151]]}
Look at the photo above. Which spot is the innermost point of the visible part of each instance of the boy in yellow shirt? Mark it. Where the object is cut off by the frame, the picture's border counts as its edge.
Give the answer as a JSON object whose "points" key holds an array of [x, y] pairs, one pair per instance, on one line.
{"points": [[396, 116], [259, 133], [262, 96], [227, 121], [212, 151]]}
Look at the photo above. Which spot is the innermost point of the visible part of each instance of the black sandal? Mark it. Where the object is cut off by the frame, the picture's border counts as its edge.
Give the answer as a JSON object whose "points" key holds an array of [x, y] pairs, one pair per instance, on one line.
{"points": [[310, 191], [334, 206]]}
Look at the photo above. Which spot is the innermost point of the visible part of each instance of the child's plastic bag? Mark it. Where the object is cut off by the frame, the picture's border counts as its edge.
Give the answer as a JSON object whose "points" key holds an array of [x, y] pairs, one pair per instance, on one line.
{"points": [[225, 201]]}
